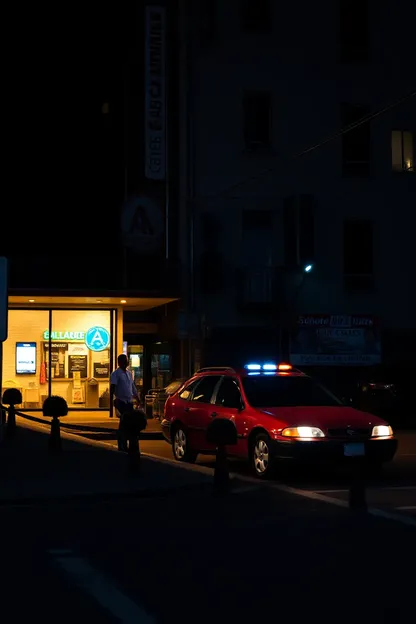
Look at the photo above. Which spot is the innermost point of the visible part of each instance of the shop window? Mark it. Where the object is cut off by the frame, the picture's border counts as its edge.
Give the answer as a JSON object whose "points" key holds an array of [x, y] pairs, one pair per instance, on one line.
{"points": [[161, 369], [22, 356], [69, 358], [79, 357], [135, 354]]}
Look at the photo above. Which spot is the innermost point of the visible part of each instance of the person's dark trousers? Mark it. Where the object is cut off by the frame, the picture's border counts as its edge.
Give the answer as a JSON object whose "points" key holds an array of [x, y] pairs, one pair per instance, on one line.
{"points": [[123, 407]]}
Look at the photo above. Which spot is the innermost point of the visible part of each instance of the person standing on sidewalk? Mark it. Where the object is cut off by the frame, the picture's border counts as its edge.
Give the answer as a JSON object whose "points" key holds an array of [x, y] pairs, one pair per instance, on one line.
{"points": [[125, 392]]}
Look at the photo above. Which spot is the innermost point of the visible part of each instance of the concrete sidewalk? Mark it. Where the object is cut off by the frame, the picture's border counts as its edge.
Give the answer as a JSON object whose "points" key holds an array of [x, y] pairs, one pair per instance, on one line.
{"points": [[29, 472]]}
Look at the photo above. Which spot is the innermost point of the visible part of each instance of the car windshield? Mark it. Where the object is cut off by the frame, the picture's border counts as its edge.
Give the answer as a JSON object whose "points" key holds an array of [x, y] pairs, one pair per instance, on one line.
{"points": [[279, 391]]}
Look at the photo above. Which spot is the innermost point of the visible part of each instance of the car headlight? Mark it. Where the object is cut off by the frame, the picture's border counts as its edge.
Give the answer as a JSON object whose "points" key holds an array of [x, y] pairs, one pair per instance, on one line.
{"points": [[303, 432], [382, 431]]}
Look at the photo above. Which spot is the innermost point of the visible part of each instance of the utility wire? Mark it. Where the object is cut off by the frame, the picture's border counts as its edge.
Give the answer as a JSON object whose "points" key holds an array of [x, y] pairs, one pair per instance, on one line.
{"points": [[352, 126]]}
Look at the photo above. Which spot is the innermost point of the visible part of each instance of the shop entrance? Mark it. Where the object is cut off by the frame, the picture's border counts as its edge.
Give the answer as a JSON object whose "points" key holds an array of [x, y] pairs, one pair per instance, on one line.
{"points": [[150, 362], [65, 352]]}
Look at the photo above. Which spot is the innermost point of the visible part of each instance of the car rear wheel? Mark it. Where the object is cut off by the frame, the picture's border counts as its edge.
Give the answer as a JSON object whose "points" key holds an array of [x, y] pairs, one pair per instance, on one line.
{"points": [[180, 447], [261, 456]]}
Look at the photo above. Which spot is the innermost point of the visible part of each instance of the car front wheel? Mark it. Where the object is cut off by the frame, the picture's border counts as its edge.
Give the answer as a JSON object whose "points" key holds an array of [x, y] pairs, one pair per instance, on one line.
{"points": [[180, 446], [261, 456]]}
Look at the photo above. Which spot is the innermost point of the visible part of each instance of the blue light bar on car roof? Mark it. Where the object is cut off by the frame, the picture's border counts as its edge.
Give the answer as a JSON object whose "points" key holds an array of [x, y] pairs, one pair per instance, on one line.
{"points": [[269, 366]]}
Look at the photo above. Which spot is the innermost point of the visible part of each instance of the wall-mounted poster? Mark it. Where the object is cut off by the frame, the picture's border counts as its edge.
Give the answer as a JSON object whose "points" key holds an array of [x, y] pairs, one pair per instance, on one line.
{"points": [[25, 358], [57, 363], [78, 363], [101, 370], [336, 340]]}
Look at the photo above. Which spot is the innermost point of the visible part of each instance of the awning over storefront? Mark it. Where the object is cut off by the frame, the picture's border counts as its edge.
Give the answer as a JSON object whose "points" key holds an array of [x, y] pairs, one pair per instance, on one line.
{"points": [[99, 300]]}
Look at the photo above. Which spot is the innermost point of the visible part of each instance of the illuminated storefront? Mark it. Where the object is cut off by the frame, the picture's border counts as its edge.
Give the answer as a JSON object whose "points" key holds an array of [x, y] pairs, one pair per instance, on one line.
{"points": [[67, 347]]}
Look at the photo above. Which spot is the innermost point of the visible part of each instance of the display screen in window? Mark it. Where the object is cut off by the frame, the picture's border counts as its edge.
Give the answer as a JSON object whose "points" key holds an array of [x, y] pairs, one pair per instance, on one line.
{"points": [[25, 358]]}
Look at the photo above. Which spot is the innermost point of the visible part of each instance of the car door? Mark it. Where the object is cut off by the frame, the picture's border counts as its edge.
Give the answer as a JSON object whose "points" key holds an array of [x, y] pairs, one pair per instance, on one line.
{"points": [[199, 410], [179, 408], [229, 404]]}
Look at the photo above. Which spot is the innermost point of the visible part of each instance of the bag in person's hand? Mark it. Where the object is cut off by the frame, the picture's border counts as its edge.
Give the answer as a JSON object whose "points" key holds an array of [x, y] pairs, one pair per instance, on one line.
{"points": [[134, 422]]}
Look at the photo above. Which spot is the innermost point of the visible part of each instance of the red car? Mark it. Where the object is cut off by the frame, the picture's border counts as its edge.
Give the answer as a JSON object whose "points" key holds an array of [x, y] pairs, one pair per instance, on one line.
{"points": [[279, 413]]}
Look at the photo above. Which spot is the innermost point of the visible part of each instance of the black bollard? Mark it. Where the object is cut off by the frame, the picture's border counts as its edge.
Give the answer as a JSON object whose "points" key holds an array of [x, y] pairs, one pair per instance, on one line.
{"points": [[54, 442], [55, 407], [134, 422], [11, 397], [357, 492], [221, 433], [221, 472], [133, 454]]}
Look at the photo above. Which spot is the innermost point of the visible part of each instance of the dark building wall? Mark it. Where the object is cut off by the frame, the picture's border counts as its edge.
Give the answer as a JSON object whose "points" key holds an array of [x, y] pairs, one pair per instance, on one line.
{"points": [[66, 156]]}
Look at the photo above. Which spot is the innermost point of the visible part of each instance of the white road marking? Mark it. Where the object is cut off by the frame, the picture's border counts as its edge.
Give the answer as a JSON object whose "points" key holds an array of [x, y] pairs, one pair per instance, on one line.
{"points": [[328, 491], [397, 487], [390, 515], [376, 488], [407, 508], [335, 501], [102, 590]]}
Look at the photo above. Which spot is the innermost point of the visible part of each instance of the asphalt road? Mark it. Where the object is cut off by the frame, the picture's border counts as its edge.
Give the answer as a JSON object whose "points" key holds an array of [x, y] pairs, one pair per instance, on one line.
{"points": [[261, 554], [394, 490]]}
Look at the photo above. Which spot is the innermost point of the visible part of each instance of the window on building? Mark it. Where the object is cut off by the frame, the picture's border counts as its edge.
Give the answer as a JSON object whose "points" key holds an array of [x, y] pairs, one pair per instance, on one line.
{"points": [[354, 35], [256, 16], [258, 241], [358, 254], [299, 230], [402, 150], [257, 122], [356, 143]]}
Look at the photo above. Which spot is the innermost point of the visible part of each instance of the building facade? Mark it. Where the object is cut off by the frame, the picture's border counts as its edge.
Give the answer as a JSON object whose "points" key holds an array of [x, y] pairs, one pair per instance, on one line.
{"points": [[297, 148], [94, 264]]}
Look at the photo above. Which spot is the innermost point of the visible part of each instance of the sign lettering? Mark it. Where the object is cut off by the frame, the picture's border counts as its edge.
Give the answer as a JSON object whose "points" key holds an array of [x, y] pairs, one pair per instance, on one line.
{"points": [[155, 94]]}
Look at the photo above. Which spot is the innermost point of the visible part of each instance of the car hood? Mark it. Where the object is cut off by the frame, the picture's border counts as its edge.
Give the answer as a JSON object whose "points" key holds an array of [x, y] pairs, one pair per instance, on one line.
{"points": [[323, 417]]}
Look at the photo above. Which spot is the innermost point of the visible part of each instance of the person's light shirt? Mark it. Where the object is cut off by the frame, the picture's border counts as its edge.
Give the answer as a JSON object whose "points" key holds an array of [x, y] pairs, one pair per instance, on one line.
{"points": [[125, 389]]}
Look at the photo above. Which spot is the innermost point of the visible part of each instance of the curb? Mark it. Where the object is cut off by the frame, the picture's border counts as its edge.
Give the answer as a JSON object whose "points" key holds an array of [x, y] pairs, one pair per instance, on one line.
{"points": [[151, 435]]}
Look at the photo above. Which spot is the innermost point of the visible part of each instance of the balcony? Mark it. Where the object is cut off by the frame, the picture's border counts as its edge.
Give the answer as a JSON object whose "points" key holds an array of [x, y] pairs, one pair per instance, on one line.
{"points": [[258, 288]]}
